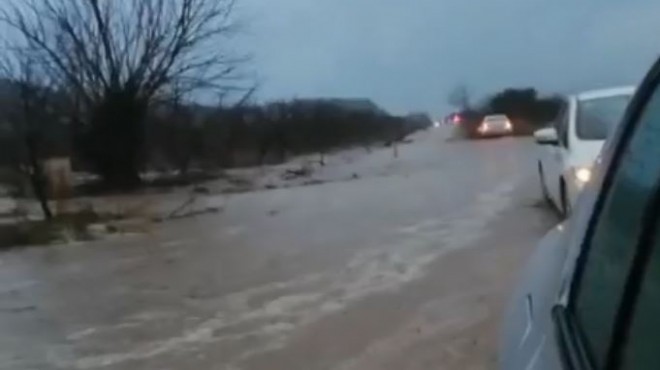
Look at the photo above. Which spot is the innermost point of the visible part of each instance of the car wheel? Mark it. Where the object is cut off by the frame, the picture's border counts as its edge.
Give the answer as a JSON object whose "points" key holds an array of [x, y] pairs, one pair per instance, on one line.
{"points": [[544, 188], [565, 204]]}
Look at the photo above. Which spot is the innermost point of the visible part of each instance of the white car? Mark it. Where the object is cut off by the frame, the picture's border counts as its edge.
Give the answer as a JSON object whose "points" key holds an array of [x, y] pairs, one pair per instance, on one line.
{"points": [[495, 125], [569, 148], [589, 298]]}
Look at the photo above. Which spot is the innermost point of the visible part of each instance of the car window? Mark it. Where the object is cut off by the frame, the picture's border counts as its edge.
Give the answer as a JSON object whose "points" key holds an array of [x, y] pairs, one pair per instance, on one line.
{"points": [[640, 351], [596, 118], [616, 234], [495, 118]]}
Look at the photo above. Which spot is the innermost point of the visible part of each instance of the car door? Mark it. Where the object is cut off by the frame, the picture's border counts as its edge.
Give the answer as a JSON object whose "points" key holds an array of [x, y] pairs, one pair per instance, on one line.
{"points": [[554, 158], [609, 316]]}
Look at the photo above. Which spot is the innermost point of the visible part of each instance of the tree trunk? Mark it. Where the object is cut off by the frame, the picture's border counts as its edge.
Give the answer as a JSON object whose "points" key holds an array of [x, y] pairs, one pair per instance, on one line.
{"points": [[116, 140], [184, 164], [37, 176], [188, 149]]}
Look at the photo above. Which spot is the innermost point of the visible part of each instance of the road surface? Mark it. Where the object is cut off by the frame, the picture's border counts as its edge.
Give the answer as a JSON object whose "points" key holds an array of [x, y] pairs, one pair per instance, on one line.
{"points": [[407, 266]]}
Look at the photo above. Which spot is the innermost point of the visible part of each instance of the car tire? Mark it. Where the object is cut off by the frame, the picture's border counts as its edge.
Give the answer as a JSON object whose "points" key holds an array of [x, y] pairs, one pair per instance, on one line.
{"points": [[544, 188], [565, 203]]}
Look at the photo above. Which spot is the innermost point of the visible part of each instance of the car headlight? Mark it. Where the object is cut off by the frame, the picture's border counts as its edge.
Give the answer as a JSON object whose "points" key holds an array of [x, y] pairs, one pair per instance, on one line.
{"points": [[583, 174]]}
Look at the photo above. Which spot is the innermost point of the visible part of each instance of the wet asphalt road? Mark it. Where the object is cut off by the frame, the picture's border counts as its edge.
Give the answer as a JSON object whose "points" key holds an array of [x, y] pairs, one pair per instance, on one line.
{"points": [[407, 267]]}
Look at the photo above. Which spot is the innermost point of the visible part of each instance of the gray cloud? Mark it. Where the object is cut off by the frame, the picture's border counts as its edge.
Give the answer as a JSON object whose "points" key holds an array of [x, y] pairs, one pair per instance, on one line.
{"points": [[407, 55]]}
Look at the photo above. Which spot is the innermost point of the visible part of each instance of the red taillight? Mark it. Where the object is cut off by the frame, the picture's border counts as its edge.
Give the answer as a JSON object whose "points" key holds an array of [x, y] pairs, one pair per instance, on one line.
{"points": [[456, 119]]}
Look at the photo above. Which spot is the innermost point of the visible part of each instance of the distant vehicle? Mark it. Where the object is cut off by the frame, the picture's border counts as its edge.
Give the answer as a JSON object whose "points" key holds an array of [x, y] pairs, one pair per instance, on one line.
{"points": [[495, 125], [588, 298], [453, 119], [572, 144]]}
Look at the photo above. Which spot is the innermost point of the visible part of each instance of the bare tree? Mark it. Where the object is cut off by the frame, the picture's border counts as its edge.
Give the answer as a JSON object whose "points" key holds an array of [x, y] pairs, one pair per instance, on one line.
{"points": [[28, 106], [181, 145], [115, 57], [459, 97]]}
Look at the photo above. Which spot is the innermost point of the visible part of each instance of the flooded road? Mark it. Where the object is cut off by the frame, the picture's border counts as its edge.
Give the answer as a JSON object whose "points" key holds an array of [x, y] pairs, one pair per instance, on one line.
{"points": [[406, 266]]}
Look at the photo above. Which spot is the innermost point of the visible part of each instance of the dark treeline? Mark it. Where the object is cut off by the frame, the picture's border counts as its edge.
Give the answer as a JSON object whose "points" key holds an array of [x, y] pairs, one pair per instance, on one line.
{"points": [[246, 135], [525, 108], [180, 137], [524, 105]]}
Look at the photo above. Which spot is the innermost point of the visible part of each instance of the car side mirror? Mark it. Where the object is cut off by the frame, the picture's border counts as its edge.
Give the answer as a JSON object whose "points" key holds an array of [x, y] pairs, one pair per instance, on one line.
{"points": [[546, 136]]}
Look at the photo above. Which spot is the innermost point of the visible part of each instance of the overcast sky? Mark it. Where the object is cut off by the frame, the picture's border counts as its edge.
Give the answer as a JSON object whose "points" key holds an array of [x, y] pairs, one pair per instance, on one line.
{"points": [[407, 55]]}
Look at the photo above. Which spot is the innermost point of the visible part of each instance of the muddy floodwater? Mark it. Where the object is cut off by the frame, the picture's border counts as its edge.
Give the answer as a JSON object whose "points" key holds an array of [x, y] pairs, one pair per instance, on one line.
{"points": [[406, 265]]}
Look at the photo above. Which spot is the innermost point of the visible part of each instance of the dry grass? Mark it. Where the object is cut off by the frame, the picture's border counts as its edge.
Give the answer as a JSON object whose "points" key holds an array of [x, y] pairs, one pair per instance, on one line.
{"points": [[82, 224], [62, 228]]}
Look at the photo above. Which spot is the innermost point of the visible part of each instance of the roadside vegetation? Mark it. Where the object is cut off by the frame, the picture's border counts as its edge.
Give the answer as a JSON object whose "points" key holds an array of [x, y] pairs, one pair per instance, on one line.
{"points": [[103, 97], [525, 107]]}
